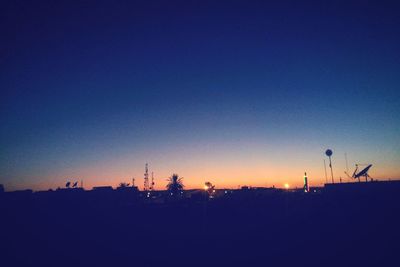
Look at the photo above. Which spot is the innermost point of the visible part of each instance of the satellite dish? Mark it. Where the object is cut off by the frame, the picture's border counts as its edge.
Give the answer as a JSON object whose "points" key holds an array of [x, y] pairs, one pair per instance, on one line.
{"points": [[328, 152], [364, 173]]}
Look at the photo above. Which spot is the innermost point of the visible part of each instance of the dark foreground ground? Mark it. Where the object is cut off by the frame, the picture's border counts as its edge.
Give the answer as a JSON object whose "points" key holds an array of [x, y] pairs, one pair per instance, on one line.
{"points": [[276, 229]]}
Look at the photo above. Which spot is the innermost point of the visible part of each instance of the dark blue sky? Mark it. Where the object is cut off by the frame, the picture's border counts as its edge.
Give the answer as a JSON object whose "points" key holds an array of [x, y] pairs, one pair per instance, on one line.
{"points": [[195, 85]]}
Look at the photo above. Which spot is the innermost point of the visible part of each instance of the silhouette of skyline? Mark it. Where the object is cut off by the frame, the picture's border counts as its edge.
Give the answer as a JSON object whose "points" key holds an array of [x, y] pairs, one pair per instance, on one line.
{"points": [[332, 226], [231, 92]]}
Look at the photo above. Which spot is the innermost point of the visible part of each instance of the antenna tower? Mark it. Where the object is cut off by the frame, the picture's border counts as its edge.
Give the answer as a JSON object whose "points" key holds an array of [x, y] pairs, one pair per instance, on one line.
{"points": [[146, 177]]}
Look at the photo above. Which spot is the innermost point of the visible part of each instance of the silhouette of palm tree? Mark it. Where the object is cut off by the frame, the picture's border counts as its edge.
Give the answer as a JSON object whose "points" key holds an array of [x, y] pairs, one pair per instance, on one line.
{"points": [[175, 184]]}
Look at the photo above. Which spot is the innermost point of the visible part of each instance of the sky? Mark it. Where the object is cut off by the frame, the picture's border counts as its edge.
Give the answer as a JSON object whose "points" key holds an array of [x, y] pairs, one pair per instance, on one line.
{"points": [[232, 92]]}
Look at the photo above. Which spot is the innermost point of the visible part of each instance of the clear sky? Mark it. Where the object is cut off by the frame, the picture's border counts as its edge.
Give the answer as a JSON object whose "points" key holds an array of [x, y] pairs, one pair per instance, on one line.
{"points": [[236, 92]]}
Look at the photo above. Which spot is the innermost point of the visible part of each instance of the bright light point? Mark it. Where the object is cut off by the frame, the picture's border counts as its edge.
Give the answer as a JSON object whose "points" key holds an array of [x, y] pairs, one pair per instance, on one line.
{"points": [[286, 186], [205, 187]]}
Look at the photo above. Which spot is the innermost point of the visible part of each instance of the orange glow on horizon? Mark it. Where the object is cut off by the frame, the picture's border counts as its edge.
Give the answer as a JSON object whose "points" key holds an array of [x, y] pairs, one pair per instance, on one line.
{"points": [[231, 172]]}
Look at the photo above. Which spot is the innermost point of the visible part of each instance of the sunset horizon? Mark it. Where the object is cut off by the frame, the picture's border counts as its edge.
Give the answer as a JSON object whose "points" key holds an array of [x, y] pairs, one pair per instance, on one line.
{"points": [[157, 133]]}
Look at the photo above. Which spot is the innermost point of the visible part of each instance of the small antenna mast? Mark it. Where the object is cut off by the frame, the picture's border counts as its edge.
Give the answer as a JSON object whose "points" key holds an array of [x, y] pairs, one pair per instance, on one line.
{"points": [[152, 181]]}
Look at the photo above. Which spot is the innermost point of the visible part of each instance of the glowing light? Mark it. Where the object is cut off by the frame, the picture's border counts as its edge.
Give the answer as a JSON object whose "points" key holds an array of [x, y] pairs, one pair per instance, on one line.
{"points": [[286, 185], [205, 187]]}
